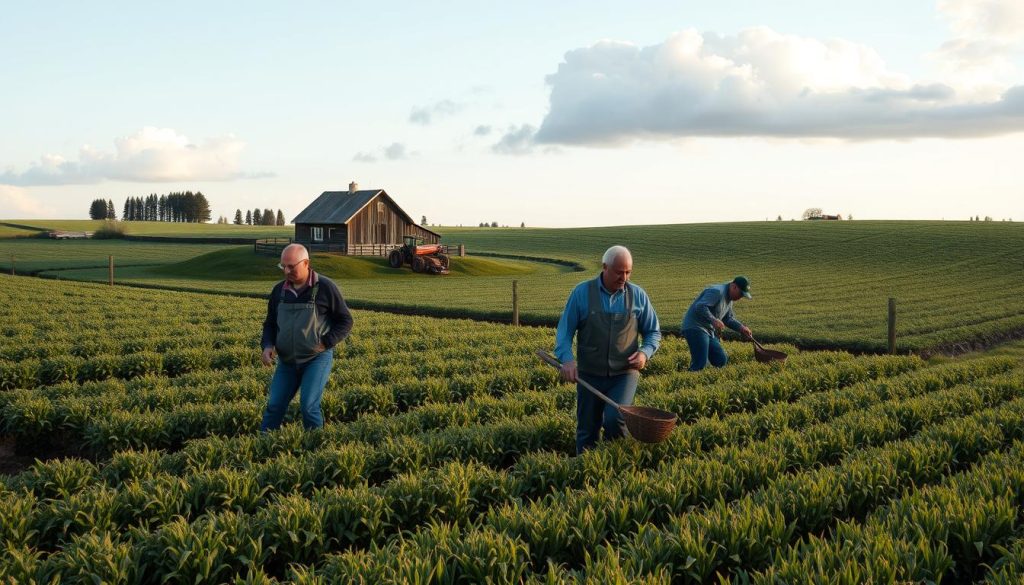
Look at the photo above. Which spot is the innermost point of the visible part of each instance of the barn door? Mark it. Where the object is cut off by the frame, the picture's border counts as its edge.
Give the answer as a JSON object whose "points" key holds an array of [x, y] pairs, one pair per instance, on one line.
{"points": [[382, 234]]}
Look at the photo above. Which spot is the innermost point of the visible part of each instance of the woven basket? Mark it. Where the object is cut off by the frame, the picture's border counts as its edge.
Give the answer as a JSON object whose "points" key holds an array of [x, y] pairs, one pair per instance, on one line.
{"points": [[648, 425], [765, 355]]}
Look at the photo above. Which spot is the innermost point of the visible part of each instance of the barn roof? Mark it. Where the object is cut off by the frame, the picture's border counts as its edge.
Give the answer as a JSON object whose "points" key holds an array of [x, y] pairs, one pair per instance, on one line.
{"points": [[338, 207]]}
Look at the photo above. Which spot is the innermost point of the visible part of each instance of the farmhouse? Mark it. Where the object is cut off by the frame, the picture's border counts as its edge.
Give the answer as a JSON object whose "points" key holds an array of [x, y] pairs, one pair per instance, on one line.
{"points": [[357, 222]]}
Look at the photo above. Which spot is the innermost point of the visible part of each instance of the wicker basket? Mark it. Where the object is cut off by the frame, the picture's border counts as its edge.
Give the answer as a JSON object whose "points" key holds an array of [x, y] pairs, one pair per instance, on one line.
{"points": [[765, 355], [648, 425]]}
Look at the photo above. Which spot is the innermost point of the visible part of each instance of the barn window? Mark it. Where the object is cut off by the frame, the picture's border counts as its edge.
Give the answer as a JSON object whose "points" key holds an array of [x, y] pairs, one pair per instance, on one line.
{"points": [[380, 207], [318, 234]]}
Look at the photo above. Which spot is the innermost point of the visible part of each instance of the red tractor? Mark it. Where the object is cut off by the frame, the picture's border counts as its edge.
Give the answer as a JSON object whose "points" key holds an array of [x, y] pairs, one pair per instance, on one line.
{"points": [[421, 257]]}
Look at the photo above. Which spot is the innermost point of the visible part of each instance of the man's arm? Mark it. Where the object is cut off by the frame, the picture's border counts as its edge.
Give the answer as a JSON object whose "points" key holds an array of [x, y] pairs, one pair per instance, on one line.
{"points": [[567, 325], [270, 323], [650, 328], [731, 322], [340, 317]]}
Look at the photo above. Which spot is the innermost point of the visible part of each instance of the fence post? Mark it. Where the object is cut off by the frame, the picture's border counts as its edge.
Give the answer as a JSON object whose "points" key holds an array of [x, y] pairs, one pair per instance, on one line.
{"points": [[110, 269], [515, 304], [892, 325], [462, 250]]}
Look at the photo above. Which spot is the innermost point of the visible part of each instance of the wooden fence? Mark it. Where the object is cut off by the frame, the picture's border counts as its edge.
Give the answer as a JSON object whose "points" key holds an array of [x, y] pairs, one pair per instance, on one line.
{"points": [[274, 246]]}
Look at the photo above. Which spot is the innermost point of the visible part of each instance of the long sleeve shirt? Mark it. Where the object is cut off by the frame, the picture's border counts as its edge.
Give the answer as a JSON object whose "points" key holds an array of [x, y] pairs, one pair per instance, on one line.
{"points": [[577, 307], [330, 305], [713, 303]]}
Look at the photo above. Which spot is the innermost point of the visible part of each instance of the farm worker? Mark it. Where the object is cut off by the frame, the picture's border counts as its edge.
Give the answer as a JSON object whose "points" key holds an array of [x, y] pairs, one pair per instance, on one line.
{"points": [[709, 314], [306, 318], [606, 315]]}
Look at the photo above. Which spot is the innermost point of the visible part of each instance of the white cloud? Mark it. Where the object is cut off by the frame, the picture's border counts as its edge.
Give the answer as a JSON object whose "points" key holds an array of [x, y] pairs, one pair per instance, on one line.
{"points": [[149, 155], [424, 115], [986, 36], [756, 83], [16, 202], [395, 151]]}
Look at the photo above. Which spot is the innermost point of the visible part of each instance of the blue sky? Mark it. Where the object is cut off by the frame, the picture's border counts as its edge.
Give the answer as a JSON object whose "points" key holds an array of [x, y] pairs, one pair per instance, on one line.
{"points": [[576, 113]]}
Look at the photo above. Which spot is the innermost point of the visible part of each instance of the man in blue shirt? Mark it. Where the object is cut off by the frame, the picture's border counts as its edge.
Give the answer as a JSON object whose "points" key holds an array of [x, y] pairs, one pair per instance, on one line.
{"points": [[709, 314], [607, 316]]}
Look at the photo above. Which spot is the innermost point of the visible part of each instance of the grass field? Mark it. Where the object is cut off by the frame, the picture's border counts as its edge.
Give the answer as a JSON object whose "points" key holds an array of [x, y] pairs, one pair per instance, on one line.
{"points": [[815, 284], [164, 229], [34, 254], [447, 458]]}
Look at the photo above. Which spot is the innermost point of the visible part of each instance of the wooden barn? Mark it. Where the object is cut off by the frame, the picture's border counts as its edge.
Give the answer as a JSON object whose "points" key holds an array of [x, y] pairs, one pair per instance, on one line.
{"points": [[357, 222]]}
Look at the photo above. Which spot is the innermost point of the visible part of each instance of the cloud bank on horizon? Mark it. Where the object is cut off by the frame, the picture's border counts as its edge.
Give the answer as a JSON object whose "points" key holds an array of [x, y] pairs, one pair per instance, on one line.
{"points": [[763, 83], [151, 155]]}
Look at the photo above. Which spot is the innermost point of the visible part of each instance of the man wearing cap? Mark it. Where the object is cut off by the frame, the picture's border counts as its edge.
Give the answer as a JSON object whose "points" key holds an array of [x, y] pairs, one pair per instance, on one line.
{"points": [[709, 314], [306, 318], [607, 315]]}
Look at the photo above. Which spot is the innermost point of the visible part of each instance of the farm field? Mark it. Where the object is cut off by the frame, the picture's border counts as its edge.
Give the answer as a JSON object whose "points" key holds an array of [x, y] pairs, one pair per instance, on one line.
{"points": [[34, 254], [815, 284], [162, 229], [446, 458]]}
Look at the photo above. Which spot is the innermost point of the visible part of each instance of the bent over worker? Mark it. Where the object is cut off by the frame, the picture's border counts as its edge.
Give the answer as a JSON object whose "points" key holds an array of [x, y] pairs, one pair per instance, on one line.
{"points": [[708, 315], [306, 318], [608, 316]]}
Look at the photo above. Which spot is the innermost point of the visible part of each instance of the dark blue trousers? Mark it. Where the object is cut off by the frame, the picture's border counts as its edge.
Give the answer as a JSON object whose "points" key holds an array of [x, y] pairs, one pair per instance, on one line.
{"points": [[704, 348], [592, 413]]}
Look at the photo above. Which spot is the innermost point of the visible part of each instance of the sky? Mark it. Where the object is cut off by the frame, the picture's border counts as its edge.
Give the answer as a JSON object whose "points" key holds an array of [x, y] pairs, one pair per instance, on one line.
{"points": [[571, 113]]}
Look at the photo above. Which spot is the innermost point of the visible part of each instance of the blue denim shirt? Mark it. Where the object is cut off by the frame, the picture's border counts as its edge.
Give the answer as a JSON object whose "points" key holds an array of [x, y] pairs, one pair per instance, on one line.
{"points": [[711, 304], [578, 306]]}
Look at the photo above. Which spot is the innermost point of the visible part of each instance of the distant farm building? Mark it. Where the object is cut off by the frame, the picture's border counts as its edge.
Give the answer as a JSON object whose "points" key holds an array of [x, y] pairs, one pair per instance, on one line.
{"points": [[357, 222]]}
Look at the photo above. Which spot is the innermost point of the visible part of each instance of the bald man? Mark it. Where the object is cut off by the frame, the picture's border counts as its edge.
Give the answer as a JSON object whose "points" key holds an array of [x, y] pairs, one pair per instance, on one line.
{"points": [[306, 318], [608, 316]]}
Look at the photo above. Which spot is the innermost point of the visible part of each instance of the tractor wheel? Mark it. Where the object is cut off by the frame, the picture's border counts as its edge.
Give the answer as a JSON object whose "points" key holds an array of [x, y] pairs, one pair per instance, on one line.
{"points": [[418, 264], [395, 258]]}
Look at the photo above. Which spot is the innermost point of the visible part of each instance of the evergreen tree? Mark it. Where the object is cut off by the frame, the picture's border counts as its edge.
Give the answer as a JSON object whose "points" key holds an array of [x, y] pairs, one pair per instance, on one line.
{"points": [[238, 217], [111, 214], [280, 217], [125, 213], [98, 209], [257, 217], [268, 217], [248, 217]]}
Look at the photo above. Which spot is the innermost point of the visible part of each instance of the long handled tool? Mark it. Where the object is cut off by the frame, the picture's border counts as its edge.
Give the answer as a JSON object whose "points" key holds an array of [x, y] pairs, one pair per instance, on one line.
{"points": [[645, 424]]}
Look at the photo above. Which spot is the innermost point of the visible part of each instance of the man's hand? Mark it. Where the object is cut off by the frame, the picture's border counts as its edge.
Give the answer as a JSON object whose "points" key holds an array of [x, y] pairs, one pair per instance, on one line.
{"points": [[320, 347], [638, 360], [268, 356], [747, 332], [568, 370], [718, 325]]}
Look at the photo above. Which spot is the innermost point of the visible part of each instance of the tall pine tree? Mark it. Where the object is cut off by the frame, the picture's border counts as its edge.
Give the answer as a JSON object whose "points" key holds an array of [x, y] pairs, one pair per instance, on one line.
{"points": [[248, 217], [238, 217], [280, 217]]}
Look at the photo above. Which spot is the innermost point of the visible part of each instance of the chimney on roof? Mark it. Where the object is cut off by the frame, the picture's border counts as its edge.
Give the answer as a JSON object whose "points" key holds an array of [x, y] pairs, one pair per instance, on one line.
{"points": [[353, 187]]}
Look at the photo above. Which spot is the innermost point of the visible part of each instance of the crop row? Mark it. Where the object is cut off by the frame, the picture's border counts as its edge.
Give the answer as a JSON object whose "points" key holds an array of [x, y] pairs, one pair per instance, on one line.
{"points": [[246, 491], [718, 536]]}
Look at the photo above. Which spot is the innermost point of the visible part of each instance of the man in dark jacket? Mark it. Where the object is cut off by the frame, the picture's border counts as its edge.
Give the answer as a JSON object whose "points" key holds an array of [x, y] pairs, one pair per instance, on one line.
{"points": [[709, 314], [306, 318]]}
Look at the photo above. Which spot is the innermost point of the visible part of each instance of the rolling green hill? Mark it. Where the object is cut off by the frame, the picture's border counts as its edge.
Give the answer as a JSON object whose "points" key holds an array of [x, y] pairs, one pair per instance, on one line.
{"points": [[815, 284], [163, 229]]}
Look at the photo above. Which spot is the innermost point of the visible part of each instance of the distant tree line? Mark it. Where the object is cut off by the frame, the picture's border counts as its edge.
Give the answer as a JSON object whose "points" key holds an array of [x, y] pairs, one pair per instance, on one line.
{"points": [[178, 207], [258, 217], [100, 209]]}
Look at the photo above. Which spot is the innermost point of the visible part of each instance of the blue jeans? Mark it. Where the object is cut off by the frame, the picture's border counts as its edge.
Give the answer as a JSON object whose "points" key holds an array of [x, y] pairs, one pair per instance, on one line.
{"points": [[704, 348], [309, 380], [592, 413]]}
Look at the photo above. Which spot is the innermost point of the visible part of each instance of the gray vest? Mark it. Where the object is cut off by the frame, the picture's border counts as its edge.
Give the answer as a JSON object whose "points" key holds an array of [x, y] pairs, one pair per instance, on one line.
{"points": [[606, 340], [299, 329]]}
